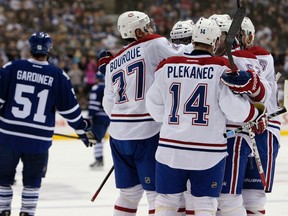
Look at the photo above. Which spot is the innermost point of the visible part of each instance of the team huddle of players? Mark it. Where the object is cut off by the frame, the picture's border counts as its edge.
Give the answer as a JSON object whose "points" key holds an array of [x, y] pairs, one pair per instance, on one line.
{"points": [[173, 102], [169, 104]]}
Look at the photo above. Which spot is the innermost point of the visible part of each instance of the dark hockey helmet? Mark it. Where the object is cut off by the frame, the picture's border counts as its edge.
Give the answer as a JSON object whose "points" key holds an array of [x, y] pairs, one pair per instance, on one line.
{"points": [[40, 43], [100, 76]]}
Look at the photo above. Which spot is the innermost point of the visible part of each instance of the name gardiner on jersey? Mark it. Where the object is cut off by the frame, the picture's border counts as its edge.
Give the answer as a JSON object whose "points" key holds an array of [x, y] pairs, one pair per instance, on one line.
{"points": [[183, 71], [124, 57], [35, 77]]}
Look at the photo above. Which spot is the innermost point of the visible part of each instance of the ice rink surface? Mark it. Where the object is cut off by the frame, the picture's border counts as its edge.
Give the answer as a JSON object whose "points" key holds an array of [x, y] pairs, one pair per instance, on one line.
{"points": [[70, 184]]}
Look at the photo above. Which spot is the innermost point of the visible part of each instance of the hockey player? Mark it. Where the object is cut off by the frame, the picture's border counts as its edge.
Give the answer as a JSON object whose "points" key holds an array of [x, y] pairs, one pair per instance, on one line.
{"points": [[99, 118], [181, 32], [240, 146], [30, 93], [254, 197], [133, 132], [190, 101]]}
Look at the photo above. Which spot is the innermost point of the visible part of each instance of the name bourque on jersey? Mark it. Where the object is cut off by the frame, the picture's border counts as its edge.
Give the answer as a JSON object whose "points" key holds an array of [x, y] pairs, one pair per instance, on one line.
{"points": [[30, 92], [193, 105], [129, 75]]}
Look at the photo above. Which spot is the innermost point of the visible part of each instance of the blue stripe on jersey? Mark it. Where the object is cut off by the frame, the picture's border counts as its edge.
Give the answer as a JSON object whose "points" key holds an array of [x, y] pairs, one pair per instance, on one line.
{"points": [[274, 126], [191, 149]]}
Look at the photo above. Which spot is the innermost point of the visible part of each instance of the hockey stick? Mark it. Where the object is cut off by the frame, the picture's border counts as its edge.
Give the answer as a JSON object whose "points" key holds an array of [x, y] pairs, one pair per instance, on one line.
{"points": [[257, 156], [230, 37], [277, 76], [249, 124], [66, 136], [102, 184], [248, 127]]}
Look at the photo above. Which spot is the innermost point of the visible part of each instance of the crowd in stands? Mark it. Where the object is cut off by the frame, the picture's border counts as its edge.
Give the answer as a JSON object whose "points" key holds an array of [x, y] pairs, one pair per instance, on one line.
{"points": [[81, 29]]}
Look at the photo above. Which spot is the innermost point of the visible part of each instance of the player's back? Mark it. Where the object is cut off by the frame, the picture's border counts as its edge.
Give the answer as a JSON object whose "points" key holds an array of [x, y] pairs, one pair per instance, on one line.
{"points": [[32, 91], [191, 102], [191, 93], [128, 77]]}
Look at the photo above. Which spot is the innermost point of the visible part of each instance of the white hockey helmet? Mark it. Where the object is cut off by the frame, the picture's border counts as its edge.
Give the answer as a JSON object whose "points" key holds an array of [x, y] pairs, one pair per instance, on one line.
{"points": [[247, 26], [206, 31], [223, 21], [129, 21], [182, 29]]}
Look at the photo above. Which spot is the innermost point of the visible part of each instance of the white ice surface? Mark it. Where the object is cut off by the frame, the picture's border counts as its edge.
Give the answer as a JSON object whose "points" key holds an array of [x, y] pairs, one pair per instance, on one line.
{"points": [[70, 184]]}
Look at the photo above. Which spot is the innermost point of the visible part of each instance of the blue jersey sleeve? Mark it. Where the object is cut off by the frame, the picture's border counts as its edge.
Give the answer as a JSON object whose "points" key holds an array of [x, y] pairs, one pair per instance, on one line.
{"points": [[66, 102]]}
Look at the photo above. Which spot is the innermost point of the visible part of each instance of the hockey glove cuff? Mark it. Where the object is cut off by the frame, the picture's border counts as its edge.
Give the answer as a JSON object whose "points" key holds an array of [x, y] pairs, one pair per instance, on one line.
{"points": [[261, 122], [243, 82], [85, 134], [104, 58]]}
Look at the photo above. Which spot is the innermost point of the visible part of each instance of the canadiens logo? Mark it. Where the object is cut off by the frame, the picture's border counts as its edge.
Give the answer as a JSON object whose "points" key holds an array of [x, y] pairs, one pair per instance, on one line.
{"points": [[130, 14]]}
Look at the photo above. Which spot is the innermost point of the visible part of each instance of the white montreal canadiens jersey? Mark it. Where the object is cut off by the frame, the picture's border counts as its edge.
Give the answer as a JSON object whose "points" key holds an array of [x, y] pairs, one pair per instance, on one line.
{"points": [[189, 99], [128, 77], [245, 60], [267, 65]]}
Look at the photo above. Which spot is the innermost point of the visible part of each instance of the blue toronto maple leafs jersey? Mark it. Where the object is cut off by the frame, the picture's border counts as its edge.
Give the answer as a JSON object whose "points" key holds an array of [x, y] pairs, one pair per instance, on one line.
{"points": [[30, 93], [95, 107]]}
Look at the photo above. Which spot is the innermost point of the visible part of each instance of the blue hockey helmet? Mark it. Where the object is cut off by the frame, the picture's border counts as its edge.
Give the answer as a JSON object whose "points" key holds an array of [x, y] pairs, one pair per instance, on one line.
{"points": [[40, 43], [100, 76]]}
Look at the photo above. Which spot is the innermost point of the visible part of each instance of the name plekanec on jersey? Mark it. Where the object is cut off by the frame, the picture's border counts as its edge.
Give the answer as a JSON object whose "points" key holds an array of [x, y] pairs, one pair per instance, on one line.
{"points": [[183, 71]]}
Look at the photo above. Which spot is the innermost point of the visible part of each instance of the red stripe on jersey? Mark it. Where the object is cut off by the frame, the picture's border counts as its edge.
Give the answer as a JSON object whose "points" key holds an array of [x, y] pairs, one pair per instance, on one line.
{"points": [[217, 60], [142, 40], [256, 50], [123, 209], [244, 54], [235, 169], [251, 113], [193, 143], [130, 115], [275, 122]]}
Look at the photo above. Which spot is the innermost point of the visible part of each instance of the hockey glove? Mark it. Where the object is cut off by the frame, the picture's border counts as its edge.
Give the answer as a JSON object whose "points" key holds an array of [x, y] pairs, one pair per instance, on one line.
{"points": [[104, 58], [243, 82], [85, 133], [260, 124]]}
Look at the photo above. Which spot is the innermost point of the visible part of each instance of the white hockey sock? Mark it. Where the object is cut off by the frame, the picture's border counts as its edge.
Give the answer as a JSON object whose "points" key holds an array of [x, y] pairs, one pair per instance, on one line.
{"points": [[254, 202], [29, 200], [151, 196], [167, 204], [182, 209], [98, 150], [127, 203], [6, 195], [230, 205]]}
